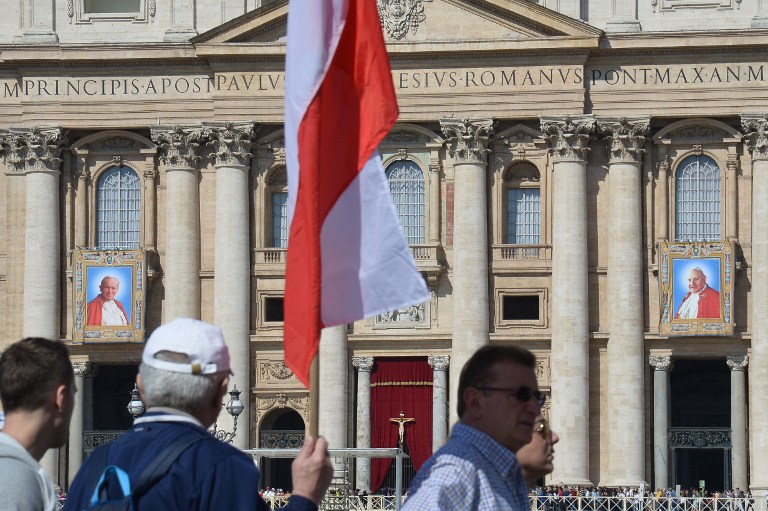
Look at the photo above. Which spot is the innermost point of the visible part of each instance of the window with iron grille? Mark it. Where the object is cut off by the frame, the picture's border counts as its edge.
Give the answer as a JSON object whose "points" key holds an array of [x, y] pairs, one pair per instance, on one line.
{"points": [[523, 216], [118, 209], [697, 200], [406, 185], [279, 220]]}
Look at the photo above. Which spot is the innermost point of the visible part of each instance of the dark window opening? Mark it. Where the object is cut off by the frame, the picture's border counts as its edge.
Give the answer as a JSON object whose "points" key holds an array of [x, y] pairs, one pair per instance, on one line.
{"points": [[521, 307], [273, 309]]}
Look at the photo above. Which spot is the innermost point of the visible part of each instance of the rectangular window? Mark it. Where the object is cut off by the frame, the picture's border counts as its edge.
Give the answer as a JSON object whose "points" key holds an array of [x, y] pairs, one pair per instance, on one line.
{"points": [[111, 6], [523, 216], [521, 307], [279, 220], [273, 309]]}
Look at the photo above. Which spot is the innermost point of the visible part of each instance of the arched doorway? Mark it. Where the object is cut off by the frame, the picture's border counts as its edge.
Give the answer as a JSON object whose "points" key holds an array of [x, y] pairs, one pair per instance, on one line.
{"points": [[280, 429]]}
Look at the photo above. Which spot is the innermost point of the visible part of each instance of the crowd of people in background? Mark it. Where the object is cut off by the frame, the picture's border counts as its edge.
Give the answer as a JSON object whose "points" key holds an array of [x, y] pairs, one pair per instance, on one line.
{"points": [[629, 492]]}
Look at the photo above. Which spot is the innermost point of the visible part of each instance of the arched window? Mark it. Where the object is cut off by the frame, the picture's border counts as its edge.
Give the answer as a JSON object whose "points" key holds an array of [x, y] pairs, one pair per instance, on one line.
{"points": [[118, 209], [523, 205], [697, 200], [406, 185], [277, 190]]}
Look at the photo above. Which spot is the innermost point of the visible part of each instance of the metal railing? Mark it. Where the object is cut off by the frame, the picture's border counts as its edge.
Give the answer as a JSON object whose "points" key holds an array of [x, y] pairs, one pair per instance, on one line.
{"points": [[567, 503]]}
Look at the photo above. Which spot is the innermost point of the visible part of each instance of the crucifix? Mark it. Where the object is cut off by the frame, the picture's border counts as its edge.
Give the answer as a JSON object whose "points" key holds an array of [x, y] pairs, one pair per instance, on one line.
{"points": [[401, 422]]}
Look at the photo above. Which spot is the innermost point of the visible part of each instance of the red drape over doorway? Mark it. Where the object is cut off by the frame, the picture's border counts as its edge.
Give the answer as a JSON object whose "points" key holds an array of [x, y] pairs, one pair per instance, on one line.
{"points": [[402, 384]]}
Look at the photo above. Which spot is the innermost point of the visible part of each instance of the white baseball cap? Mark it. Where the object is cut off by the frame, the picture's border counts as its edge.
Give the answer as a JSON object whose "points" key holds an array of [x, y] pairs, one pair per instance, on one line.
{"points": [[201, 342]]}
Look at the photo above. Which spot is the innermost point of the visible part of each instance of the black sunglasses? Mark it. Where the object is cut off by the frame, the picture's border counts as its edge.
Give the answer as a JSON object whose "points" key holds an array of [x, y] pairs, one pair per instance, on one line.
{"points": [[522, 394]]}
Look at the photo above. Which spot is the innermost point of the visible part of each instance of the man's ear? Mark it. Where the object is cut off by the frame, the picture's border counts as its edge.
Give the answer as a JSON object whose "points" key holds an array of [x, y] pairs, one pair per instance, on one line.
{"points": [[221, 391], [140, 386], [472, 402], [59, 396]]}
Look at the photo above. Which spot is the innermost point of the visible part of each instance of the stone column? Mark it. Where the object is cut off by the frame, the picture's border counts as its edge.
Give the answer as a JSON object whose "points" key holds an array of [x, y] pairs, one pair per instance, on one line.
{"points": [[439, 401], [231, 152], [755, 128], [568, 138], [76, 425], [732, 193], [363, 441], [37, 153], [661, 368], [467, 141], [332, 416], [738, 365], [434, 201], [662, 196], [81, 203], [626, 343], [182, 220], [150, 206]]}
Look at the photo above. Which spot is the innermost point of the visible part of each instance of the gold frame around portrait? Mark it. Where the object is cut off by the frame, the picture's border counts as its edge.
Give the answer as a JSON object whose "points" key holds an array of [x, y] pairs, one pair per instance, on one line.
{"points": [[89, 267], [675, 261]]}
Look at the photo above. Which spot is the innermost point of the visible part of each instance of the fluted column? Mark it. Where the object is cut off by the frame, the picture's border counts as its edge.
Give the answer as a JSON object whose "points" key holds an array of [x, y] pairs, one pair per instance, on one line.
{"points": [[756, 132], [182, 221], [568, 138], [738, 365], [230, 146], [626, 350], [37, 153], [76, 424], [661, 367], [467, 141], [363, 440], [439, 400], [332, 416]]}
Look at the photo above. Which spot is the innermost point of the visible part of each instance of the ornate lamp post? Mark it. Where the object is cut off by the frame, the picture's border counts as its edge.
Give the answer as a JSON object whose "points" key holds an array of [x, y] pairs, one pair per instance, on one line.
{"points": [[136, 405], [234, 408]]}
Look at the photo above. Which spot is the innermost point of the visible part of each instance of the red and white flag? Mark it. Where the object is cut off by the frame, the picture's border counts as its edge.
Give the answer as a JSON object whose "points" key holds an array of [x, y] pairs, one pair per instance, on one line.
{"points": [[347, 256]]}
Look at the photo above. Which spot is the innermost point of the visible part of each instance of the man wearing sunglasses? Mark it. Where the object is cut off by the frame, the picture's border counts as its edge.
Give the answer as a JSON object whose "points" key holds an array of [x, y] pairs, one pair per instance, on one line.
{"points": [[536, 458], [498, 402]]}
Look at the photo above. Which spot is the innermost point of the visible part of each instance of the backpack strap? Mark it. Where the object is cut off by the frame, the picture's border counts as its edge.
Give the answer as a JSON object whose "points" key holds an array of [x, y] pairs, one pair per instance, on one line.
{"points": [[162, 463]]}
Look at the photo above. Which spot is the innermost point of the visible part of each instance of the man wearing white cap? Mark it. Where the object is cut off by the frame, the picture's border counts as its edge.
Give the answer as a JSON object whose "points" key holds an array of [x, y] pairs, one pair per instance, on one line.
{"points": [[183, 376]]}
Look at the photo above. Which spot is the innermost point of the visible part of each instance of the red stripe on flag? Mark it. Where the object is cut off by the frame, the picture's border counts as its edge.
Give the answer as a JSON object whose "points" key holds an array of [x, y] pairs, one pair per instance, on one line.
{"points": [[351, 113]]}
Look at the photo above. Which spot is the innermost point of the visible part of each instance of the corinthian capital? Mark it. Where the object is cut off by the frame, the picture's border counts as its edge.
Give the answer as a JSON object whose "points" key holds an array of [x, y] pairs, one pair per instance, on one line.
{"points": [[663, 363], [626, 137], [737, 362], [81, 368], [568, 136], [363, 363], [467, 138], [230, 143], [178, 146], [439, 363], [755, 128], [38, 149]]}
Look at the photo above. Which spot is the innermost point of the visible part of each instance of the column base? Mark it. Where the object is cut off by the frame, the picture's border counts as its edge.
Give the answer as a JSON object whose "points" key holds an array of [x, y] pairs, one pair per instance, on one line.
{"points": [[618, 26], [40, 37], [570, 481], [613, 483]]}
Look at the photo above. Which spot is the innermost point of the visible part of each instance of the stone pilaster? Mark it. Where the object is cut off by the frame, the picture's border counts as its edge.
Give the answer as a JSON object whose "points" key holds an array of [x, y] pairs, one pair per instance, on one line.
{"points": [[182, 21], [37, 154], [434, 201], [178, 151], [760, 20], [39, 22], [467, 141], [439, 400], [738, 365], [568, 138], [626, 345], [662, 365], [334, 370], [76, 424], [363, 440], [230, 146], [756, 133], [624, 17]]}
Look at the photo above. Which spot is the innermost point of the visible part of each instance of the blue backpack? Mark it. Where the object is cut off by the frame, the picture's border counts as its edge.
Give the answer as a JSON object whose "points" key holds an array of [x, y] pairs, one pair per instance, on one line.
{"points": [[112, 489]]}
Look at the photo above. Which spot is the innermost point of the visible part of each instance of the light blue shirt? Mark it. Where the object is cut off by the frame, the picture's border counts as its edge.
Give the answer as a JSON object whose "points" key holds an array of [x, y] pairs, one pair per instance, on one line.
{"points": [[471, 472]]}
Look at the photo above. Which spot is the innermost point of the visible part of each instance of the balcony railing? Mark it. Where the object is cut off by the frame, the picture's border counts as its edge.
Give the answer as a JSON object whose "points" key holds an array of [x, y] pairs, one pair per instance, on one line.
{"points": [[94, 439]]}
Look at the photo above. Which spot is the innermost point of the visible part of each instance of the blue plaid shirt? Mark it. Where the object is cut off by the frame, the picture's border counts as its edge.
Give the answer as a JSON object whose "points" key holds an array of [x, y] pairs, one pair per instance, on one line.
{"points": [[471, 472]]}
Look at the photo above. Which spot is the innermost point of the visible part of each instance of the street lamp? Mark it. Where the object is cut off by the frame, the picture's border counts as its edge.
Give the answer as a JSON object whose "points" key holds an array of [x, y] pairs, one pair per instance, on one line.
{"points": [[235, 407], [136, 405]]}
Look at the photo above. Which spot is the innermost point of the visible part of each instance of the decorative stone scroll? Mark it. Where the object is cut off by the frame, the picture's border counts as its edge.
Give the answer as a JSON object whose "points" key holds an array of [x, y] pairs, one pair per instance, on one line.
{"points": [[626, 137], [467, 138], [363, 363], [662, 363], [279, 400], [400, 16], [38, 149], [178, 146], [756, 133], [274, 371], [439, 363], [231, 143], [568, 136]]}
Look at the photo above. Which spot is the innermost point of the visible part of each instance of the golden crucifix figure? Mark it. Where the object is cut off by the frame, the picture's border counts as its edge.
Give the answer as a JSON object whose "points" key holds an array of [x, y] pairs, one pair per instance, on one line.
{"points": [[401, 422]]}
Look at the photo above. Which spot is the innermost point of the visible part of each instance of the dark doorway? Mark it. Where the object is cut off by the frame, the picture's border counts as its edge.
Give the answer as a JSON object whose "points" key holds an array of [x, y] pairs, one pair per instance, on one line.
{"points": [[701, 416], [281, 429], [112, 387]]}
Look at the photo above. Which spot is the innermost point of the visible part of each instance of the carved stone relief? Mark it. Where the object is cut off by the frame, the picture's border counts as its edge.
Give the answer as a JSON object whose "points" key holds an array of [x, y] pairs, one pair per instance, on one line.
{"points": [[272, 371], [279, 400], [398, 17]]}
